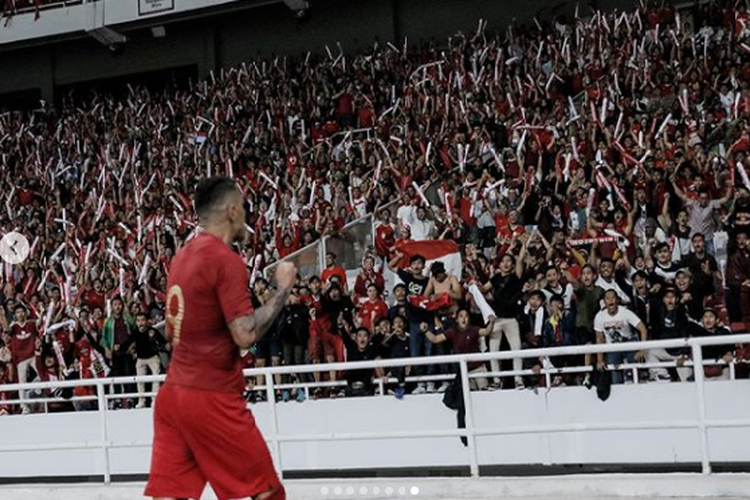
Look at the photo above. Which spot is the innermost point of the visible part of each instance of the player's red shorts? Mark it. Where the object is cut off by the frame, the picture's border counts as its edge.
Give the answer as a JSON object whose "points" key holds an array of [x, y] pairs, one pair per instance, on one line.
{"points": [[202, 436]]}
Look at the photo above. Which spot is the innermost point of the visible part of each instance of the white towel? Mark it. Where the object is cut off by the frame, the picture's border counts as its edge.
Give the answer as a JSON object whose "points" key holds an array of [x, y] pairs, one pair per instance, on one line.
{"points": [[481, 302]]}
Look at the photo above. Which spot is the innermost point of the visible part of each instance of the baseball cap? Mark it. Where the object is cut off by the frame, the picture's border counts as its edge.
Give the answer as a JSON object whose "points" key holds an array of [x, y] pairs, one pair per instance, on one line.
{"points": [[685, 271]]}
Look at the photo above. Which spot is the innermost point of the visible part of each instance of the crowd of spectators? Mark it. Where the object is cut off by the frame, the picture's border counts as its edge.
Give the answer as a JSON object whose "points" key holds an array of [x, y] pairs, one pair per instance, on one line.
{"points": [[590, 170]]}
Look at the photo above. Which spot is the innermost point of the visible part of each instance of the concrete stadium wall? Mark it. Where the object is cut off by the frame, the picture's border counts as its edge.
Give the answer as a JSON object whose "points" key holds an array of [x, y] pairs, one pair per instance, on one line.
{"points": [[210, 43], [129, 432]]}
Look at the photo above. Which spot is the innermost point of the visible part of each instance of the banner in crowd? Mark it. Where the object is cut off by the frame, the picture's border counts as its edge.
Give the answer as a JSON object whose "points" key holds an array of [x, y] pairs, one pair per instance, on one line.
{"points": [[445, 251]]}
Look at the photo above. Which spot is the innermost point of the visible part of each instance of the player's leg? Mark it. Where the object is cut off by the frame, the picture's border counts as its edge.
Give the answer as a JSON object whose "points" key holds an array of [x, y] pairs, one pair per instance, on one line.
{"points": [[273, 494], [174, 472], [231, 451]]}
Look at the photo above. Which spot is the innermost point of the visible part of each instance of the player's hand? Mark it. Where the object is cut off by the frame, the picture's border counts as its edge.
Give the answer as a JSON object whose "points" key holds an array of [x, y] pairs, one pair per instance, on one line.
{"points": [[286, 275]]}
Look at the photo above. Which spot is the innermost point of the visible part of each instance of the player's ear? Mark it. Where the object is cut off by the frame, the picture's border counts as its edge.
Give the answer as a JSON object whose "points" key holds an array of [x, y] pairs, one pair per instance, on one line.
{"points": [[233, 212]]}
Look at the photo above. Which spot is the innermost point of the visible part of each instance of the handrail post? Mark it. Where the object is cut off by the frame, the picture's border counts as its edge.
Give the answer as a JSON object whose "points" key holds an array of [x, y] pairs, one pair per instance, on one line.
{"points": [[271, 398], [469, 418], [700, 390], [102, 400]]}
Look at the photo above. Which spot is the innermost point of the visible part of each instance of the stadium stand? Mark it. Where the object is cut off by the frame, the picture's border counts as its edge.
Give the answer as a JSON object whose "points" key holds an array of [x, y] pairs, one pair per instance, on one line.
{"points": [[573, 164]]}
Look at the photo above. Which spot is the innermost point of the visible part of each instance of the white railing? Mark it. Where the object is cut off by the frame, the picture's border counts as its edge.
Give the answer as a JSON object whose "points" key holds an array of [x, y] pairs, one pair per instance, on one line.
{"points": [[275, 439]]}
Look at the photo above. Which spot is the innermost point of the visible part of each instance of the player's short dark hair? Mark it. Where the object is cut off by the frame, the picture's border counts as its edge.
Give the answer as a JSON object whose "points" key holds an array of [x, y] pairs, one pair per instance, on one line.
{"points": [[211, 192], [141, 314]]}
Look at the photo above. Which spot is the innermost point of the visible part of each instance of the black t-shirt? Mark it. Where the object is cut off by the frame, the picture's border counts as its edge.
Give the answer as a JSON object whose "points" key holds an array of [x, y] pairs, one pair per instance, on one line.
{"points": [[415, 286], [506, 294], [399, 347], [147, 343], [362, 375], [333, 308], [703, 283], [741, 217], [294, 324]]}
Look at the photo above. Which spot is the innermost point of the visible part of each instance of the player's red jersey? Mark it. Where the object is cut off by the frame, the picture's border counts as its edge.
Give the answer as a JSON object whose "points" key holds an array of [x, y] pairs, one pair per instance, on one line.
{"points": [[207, 290], [203, 431]]}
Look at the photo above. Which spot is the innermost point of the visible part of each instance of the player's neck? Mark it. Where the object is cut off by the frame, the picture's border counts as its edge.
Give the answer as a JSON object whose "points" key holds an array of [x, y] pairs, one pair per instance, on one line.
{"points": [[220, 231]]}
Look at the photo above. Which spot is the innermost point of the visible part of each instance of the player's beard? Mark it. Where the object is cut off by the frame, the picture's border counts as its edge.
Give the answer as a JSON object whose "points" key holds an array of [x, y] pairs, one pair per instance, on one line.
{"points": [[240, 234]]}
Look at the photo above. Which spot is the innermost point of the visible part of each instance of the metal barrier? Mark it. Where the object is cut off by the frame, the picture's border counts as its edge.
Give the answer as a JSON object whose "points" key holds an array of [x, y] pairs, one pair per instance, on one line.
{"points": [[702, 424]]}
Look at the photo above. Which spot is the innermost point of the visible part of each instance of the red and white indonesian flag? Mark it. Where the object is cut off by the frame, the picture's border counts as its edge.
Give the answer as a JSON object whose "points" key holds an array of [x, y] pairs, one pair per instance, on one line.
{"points": [[445, 251]]}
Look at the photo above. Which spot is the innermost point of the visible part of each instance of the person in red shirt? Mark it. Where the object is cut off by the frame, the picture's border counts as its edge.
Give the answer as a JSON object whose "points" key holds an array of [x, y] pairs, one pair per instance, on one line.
{"points": [[5, 396], [23, 336], [89, 359], [385, 235], [203, 431], [286, 244], [94, 297], [333, 270], [372, 309], [368, 276]]}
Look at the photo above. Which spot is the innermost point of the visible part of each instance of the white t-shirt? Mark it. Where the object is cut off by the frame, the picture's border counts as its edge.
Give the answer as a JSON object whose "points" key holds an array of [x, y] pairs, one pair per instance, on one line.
{"points": [[612, 285], [406, 214], [566, 293], [618, 328], [422, 229]]}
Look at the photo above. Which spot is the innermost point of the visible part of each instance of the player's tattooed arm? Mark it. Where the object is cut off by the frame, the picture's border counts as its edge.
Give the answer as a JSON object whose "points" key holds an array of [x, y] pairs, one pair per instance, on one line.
{"points": [[247, 330]]}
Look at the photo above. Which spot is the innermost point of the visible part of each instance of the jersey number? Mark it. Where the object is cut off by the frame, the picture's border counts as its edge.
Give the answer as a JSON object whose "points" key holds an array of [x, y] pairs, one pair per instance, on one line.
{"points": [[174, 320]]}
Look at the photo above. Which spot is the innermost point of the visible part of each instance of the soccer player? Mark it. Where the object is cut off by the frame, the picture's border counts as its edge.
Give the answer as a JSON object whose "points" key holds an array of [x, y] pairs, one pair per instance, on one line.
{"points": [[203, 431]]}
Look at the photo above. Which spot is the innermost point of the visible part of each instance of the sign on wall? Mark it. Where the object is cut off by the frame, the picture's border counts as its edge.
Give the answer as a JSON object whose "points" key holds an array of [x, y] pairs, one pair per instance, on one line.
{"points": [[146, 7]]}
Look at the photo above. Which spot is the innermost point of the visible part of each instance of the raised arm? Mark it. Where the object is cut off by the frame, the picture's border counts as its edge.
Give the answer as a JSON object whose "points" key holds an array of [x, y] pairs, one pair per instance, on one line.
{"points": [[393, 263], [3, 320], [679, 191], [435, 339], [247, 330], [487, 329]]}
